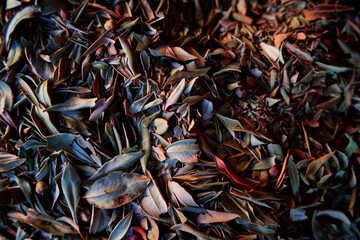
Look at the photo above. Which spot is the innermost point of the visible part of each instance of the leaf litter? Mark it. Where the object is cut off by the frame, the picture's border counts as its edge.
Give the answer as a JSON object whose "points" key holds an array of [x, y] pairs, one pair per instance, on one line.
{"points": [[144, 119]]}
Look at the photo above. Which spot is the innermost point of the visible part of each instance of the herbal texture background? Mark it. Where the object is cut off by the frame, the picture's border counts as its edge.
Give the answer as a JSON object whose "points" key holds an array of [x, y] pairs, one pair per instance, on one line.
{"points": [[181, 119]]}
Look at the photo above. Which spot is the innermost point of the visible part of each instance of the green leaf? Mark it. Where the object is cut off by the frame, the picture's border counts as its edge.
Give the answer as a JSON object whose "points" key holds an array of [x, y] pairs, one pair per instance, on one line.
{"points": [[351, 147], [25, 187], [266, 163], [334, 69]]}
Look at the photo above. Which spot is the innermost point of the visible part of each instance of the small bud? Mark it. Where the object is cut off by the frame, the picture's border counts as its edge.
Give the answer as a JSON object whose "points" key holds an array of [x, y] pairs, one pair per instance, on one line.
{"points": [[110, 25], [41, 187]]}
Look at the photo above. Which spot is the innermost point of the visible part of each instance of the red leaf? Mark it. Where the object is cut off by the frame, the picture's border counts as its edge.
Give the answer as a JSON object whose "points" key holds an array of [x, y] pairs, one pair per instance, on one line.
{"points": [[245, 183], [140, 231]]}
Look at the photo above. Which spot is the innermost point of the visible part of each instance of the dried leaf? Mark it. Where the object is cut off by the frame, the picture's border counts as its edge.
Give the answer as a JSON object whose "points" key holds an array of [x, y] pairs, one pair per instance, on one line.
{"points": [[70, 183], [47, 224], [9, 161], [116, 189], [73, 104], [184, 150], [121, 228], [215, 216], [175, 94], [22, 15], [122, 162]]}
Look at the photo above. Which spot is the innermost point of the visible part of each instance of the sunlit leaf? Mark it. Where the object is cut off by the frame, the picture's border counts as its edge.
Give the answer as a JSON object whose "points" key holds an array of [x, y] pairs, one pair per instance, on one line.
{"points": [[122, 162], [121, 228], [24, 14], [184, 150], [116, 189]]}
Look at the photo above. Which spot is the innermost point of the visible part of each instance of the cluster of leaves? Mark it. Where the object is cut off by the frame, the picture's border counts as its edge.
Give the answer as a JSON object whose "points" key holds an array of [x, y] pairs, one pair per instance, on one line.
{"points": [[192, 119]]}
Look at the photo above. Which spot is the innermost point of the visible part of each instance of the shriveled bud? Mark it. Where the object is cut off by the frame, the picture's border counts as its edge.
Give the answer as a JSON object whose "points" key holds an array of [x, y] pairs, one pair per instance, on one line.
{"points": [[41, 187], [110, 25]]}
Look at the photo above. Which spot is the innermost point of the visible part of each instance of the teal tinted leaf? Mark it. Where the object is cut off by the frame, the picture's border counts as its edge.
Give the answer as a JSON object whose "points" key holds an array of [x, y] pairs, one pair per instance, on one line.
{"points": [[230, 124], [116, 189], [122, 162], [70, 184], [315, 165], [121, 228], [335, 214], [24, 14], [298, 214], [334, 69], [99, 219], [266, 163], [351, 147], [60, 141], [24, 186], [294, 176], [9, 161], [255, 228], [136, 106]]}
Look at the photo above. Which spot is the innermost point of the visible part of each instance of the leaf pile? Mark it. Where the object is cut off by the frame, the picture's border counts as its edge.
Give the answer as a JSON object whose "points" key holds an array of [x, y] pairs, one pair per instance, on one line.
{"points": [[144, 119]]}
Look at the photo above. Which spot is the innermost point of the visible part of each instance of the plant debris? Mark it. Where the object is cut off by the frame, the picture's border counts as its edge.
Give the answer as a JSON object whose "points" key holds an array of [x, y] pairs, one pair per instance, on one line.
{"points": [[144, 119]]}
